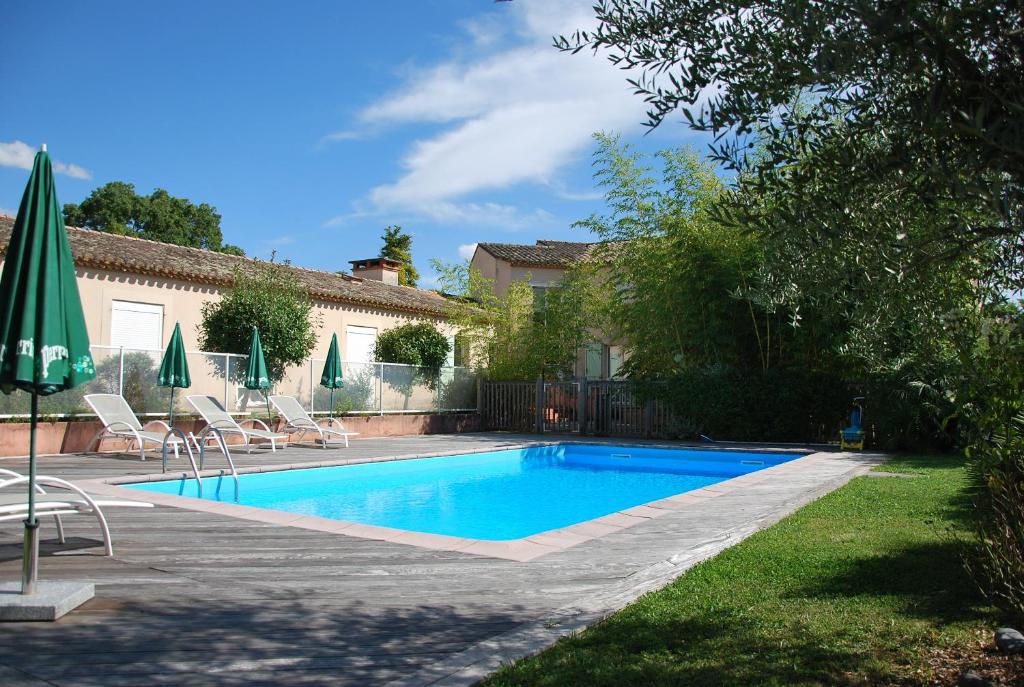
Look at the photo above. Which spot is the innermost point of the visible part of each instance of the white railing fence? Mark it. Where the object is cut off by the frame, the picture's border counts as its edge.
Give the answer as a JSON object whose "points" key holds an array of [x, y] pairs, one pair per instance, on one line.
{"points": [[370, 388]]}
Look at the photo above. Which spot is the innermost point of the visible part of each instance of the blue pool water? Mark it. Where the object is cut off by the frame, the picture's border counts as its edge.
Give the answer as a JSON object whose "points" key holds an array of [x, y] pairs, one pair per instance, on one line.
{"points": [[498, 495]]}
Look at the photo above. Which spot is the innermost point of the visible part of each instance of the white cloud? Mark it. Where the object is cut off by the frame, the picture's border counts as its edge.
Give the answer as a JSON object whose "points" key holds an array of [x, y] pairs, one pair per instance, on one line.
{"points": [[21, 155], [72, 170], [507, 217], [516, 115], [339, 136], [466, 251], [278, 241], [430, 281], [16, 154]]}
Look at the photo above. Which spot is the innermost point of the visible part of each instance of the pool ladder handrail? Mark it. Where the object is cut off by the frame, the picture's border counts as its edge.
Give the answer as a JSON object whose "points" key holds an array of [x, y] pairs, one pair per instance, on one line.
{"points": [[174, 431], [222, 444], [201, 441]]}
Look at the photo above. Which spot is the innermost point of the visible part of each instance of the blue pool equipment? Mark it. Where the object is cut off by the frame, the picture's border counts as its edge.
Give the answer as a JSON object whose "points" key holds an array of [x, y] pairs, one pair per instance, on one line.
{"points": [[853, 436]]}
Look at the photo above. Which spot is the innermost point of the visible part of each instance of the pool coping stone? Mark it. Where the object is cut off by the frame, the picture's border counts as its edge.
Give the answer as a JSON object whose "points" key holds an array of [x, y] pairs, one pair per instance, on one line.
{"points": [[522, 550]]}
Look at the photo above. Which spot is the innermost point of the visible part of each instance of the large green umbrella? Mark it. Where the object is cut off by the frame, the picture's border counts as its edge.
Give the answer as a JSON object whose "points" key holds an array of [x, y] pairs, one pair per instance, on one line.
{"points": [[331, 377], [174, 368], [256, 375], [44, 346]]}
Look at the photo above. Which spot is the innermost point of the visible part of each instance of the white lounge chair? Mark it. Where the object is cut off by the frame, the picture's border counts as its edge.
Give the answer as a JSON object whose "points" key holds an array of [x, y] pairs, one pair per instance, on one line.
{"points": [[215, 416], [299, 422], [14, 506], [119, 421]]}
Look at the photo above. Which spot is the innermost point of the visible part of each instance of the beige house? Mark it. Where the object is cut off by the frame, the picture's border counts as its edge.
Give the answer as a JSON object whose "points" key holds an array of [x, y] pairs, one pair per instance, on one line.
{"points": [[543, 265], [134, 290]]}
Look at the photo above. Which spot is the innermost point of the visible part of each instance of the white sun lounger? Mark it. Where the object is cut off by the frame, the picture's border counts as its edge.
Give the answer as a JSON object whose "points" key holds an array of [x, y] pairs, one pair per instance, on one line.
{"points": [[119, 421], [14, 506], [299, 422], [217, 417]]}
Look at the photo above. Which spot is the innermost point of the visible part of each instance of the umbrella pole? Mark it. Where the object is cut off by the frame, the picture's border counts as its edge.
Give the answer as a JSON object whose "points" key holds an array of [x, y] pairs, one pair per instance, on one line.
{"points": [[170, 411], [30, 551], [330, 412]]}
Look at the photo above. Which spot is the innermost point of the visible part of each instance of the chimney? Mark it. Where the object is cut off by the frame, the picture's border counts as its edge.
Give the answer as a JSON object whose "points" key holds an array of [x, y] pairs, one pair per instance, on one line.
{"points": [[378, 269]]}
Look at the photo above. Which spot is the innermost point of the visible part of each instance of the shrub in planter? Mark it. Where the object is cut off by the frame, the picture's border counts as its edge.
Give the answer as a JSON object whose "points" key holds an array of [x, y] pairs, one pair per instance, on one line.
{"points": [[418, 344]]}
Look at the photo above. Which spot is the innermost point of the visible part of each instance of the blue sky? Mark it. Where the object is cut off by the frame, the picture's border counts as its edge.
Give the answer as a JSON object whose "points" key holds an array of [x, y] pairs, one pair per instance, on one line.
{"points": [[312, 126]]}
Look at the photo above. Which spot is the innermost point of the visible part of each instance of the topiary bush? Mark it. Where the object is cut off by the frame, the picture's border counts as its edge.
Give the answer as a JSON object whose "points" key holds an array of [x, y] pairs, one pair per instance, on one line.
{"points": [[418, 344], [270, 298]]}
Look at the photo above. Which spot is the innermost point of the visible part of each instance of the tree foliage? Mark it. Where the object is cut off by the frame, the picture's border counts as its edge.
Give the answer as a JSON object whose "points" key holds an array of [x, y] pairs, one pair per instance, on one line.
{"points": [[849, 100], [268, 297], [416, 343], [510, 336], [117, 209], [682, 284], [878, 152], [876, 159], [398, 246]]}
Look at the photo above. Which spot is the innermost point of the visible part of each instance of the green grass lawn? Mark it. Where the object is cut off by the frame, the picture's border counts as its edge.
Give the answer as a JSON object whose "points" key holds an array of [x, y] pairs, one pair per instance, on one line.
{"points": [[857, 588]]}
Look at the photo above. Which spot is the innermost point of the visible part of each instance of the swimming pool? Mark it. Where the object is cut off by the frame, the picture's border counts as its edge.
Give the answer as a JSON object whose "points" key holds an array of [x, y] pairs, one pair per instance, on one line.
{"points": [[496, 496]]}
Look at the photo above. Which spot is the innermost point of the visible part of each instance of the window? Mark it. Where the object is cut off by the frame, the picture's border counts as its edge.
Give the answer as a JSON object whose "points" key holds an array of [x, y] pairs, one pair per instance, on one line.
{"points": [[450, 360], [359, 343], [614, 361], [136, 325], [595, 358], [541, 291], [539, 294]]}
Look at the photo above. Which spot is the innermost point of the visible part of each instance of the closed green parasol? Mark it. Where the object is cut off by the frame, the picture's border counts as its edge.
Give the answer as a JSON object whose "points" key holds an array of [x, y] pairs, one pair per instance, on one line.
{"points": [[256, 375], [44, 345], [331, 377], [174, 368]]}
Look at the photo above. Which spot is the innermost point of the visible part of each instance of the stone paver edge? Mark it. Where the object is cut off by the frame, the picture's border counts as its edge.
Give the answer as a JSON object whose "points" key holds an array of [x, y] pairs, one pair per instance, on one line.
{"points": [[520, 550]]}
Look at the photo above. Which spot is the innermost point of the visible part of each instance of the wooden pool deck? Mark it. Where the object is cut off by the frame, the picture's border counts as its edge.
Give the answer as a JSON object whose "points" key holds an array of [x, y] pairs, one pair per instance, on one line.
{"points": [[198, 598]]}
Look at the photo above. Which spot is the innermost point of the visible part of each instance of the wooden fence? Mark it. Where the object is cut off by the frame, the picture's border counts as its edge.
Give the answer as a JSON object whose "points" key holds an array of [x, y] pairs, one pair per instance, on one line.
{"points": [[510, 406], [605, 408]]}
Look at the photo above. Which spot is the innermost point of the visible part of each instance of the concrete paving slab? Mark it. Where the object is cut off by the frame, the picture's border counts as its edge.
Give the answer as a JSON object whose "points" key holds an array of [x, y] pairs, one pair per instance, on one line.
{"points": [[50, 601]]}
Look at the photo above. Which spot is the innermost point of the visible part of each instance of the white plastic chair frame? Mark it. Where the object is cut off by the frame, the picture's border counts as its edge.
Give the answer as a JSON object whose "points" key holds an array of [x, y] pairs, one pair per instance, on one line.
{"points": [[39, 490], [218, 418], [124, 429], [299, 422], [62, 509]]}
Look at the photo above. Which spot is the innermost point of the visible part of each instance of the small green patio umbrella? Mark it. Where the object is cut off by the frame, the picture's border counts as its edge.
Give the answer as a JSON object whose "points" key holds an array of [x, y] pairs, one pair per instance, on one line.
{"points": [[256, 374], [174, 368], [331, 377], [44, 345]]}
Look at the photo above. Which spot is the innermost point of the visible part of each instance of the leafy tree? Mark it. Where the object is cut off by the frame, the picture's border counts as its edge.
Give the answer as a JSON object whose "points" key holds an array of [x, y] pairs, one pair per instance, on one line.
{"points": [[398, 246], [682, 283], [418, 344], [920, 99], [270, 298], [117, 209], [567, 316], [513, 337]]}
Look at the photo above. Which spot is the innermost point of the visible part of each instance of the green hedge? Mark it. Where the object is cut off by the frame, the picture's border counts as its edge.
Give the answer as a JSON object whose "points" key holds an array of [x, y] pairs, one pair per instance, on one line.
{"points": [[792, 405]]}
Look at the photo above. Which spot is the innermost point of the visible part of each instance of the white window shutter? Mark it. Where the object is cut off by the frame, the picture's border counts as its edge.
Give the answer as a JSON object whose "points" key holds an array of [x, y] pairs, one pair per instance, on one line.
{"points": [[136, 325]]}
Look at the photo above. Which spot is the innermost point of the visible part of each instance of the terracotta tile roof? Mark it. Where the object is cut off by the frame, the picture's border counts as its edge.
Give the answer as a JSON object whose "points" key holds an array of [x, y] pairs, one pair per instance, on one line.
{"points": [[100, 250], [545, 253], [542, 254]]}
